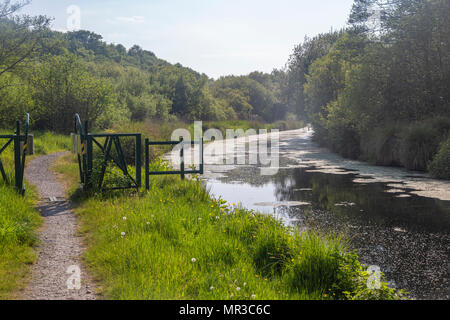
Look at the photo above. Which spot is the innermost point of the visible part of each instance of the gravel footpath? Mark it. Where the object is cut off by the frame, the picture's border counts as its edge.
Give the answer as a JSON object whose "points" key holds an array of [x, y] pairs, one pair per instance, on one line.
{"points": [[60, 248]]}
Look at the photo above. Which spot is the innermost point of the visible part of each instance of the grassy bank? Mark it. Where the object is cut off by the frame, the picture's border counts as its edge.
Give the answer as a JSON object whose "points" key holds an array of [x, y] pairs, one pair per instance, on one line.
{"points": [[18, 224], [176, 242]]}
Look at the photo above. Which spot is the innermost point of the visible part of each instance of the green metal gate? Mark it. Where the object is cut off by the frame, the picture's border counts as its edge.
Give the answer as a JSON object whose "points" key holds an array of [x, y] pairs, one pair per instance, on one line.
{"points": [[20, 154], [84, 146], [182, 172]]}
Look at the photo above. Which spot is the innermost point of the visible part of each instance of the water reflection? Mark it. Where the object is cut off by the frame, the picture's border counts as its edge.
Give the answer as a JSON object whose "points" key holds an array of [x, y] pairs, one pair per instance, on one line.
{"points": [[335, 193], [407, 235]]}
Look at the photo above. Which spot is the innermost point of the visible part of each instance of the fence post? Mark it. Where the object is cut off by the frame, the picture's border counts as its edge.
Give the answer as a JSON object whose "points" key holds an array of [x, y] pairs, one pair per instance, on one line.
{"points": [[138, 161], [201, 157], [24, 154], [182, 158], [17, 161], [147, 164], [88, 140]]}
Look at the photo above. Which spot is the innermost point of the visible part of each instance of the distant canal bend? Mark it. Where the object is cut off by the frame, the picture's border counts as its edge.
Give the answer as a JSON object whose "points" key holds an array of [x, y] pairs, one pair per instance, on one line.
{"points": [[396, 219]]}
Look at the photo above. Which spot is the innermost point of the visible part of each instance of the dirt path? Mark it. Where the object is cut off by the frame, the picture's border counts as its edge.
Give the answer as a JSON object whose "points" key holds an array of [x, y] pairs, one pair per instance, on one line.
{"points": [[60, 249]]}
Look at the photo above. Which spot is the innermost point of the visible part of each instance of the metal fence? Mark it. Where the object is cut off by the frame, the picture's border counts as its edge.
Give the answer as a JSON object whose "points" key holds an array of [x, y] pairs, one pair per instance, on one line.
{"points": [[84, 143], [21, 143], [182, 172]]}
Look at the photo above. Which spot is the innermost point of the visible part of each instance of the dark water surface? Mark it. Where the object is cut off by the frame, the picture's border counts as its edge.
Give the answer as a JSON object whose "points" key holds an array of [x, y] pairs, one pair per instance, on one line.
{"points": [[407, 236]]}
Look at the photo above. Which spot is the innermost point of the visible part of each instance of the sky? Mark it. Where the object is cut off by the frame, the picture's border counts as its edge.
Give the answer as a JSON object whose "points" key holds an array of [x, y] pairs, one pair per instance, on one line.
{"points": [[215, 37]]}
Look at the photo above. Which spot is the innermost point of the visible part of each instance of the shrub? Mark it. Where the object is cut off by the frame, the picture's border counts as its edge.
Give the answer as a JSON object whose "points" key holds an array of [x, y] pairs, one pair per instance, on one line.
{"points": [[440, 166], [381, 146], [440, 126], [418, 146]]}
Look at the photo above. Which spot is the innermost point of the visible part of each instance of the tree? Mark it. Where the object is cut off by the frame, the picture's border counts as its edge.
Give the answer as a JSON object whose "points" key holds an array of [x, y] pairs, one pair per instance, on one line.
{"points": [[180, 100], [298, 68], [21, 36], [62, 87]]}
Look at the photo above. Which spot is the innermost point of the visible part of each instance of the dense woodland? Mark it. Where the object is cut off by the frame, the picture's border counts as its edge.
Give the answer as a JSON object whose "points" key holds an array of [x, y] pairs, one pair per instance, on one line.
{"points": [[376, 90]]}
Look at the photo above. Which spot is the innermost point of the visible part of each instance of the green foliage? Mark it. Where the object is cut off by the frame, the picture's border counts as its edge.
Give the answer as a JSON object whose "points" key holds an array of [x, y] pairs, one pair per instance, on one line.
{"points": [[272, 250], [23, 37], [440, 166], [316, 267], [47, 143], [63, 86], [247, 96], [363, 94], [418, 147], [382, 146], [18, 224]]}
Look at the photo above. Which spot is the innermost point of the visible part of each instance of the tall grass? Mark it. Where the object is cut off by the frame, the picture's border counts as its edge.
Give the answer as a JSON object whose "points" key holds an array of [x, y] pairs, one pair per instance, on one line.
{"points": [[411, 145], [48, 142], [18, 224]]}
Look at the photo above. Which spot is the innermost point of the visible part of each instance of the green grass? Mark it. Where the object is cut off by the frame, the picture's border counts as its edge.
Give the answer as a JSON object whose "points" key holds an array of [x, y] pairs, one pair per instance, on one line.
{"points": [[18, 224], [176, 242], [48, 142]]}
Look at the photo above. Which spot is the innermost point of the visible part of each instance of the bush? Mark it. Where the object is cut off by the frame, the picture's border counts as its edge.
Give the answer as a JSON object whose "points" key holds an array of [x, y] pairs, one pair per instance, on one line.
{"points": [[381, 146], [440, 167], [345, 141], [419, 145]]}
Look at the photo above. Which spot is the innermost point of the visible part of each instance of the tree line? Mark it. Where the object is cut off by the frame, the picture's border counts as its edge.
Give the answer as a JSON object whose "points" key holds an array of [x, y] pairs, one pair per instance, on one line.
{"points": [[378, 90]]}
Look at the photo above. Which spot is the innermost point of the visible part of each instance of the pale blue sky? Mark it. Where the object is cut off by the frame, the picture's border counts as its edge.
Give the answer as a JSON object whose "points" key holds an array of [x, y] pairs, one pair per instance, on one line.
{"points": [[216, 37]]}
